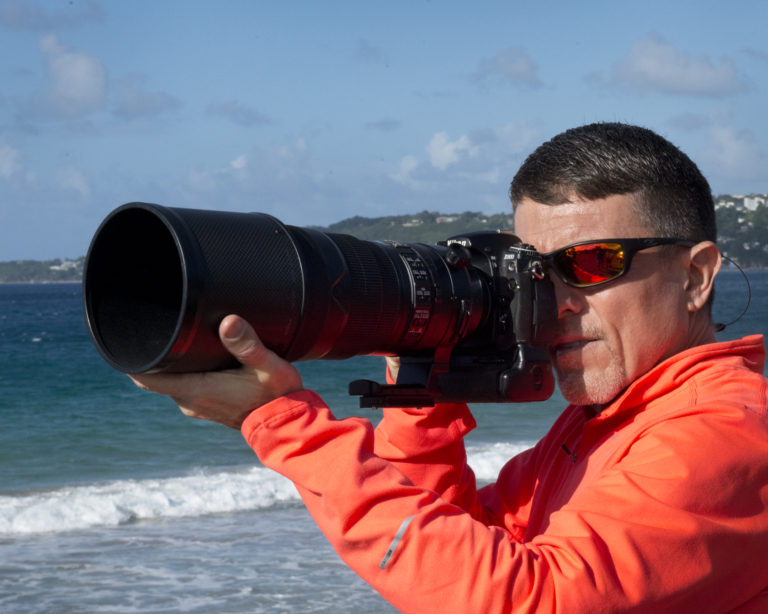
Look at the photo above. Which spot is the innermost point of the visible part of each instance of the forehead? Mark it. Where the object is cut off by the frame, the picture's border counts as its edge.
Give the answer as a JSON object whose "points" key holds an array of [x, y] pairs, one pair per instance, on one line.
{"points": [[550, 227]]}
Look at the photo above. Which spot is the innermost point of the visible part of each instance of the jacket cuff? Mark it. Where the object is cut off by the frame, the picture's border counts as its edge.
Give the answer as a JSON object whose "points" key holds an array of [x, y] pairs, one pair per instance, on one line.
{"points": [[281, 408]]}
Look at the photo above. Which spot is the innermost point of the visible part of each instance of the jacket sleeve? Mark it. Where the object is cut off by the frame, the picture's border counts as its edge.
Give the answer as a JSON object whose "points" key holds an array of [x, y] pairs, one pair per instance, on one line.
{"points": [[610, 548], [427, 446], [422, 552]]}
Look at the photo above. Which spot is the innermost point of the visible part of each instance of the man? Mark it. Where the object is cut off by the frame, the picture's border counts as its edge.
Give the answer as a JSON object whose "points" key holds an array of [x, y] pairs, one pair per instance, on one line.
{"points": [[649, 493]]}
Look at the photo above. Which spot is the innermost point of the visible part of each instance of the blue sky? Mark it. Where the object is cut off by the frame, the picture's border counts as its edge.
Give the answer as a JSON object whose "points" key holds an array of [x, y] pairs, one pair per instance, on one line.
{"points": [[318, 111]]}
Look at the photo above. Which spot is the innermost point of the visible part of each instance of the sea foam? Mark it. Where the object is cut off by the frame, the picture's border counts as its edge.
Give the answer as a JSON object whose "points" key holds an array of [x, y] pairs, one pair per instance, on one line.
{"points": [[124, 501], [487, 460]]}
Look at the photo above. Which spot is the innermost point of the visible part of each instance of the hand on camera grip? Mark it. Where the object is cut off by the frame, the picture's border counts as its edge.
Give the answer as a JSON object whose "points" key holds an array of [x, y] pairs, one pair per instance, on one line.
{"points": [[229, 396]]}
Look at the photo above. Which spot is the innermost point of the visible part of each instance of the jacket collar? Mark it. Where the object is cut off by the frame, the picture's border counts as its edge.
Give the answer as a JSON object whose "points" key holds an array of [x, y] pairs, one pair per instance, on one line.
{"points": [[745, 353]]}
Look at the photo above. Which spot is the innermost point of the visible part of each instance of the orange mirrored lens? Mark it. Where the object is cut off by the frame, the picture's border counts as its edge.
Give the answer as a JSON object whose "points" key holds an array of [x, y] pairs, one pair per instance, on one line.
{"points": [[592, 263]]}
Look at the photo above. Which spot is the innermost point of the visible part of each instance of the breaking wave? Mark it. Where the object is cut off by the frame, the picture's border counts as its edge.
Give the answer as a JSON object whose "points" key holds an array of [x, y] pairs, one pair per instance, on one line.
{"points": [[125, 501]]}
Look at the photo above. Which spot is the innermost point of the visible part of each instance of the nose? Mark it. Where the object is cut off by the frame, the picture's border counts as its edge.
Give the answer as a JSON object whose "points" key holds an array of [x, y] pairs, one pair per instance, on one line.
{"points": [[569, 300]]}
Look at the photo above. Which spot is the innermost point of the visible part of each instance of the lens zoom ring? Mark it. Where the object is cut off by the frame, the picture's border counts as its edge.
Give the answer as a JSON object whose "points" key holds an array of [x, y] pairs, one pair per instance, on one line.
{"points": [[374, 303]]}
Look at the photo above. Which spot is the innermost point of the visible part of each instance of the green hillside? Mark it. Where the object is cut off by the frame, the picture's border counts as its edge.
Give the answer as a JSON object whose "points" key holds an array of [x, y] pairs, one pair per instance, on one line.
{"points": [[424, 227], [742, 226]]}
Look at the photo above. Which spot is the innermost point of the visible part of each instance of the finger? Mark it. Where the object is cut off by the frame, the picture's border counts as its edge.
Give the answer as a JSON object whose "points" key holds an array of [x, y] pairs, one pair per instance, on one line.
{"points": [[275, 375], [171, 385], [241, 340]]}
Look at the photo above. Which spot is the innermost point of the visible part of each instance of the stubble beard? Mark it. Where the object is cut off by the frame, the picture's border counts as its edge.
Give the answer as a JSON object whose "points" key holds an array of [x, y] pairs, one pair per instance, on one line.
{"points": [[592, 385]]}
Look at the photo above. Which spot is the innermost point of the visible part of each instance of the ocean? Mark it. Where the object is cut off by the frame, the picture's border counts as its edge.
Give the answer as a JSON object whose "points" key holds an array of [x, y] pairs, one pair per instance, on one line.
{"points": [[112, 501]]}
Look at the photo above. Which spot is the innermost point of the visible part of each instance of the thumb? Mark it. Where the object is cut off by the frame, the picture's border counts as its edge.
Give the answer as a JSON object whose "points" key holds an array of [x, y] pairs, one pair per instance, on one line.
{"points": [[241, 340]]}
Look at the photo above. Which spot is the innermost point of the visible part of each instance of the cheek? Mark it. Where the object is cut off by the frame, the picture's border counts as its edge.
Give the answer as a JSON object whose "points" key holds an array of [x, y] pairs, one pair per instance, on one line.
{"points": [[652, 327]]}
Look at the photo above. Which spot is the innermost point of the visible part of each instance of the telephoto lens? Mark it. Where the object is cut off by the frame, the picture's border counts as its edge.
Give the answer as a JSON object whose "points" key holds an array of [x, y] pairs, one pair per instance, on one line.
{"points": [[159, 280]]}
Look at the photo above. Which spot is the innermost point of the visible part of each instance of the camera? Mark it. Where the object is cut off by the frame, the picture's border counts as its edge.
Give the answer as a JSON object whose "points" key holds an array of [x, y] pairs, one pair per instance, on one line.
{"points": [[469, 316]]}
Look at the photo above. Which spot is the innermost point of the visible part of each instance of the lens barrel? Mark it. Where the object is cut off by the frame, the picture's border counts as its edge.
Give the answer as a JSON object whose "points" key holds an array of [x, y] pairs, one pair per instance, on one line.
{"points": [[159, 280]]}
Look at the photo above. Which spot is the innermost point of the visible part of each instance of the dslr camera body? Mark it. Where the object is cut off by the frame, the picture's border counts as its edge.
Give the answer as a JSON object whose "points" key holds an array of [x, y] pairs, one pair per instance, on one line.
{"points": [[469, 317]]}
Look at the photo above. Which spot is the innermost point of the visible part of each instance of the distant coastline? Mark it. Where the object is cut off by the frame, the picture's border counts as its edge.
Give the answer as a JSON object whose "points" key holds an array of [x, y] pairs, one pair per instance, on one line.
{"points": [[42, 271], [742, 223], [40, 283]]}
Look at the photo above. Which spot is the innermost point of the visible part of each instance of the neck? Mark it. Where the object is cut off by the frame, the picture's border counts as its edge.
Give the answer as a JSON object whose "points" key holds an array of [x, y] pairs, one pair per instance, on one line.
{"points": [[701, 330]]}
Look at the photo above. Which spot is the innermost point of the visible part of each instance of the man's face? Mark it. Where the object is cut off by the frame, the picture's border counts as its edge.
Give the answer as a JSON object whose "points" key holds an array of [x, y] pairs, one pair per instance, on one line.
{"points": [[609, 335]]}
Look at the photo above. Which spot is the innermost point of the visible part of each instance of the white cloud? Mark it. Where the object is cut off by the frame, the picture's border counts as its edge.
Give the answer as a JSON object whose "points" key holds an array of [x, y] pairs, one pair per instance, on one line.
{"points": [[294, 152], [281, 179], [735, 155], [10, 161], [135, 100], [73, 179], [512, 65], [518, 136], [407, 165], [653, 64], [277, 163], [446, 173], [201, 180], [78, 81], [443, 152], [488, 157], [239, 163]]}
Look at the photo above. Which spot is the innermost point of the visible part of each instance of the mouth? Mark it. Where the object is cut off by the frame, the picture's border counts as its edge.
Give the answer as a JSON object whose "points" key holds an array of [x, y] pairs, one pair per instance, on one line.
{"points": [[565, 346]]}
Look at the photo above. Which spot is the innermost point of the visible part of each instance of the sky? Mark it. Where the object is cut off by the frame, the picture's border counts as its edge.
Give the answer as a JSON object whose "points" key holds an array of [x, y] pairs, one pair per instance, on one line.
{"points": [[319, 111]]}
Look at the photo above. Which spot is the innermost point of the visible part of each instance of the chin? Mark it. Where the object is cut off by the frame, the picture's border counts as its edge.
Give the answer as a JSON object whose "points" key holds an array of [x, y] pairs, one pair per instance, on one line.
{"points": [[583, 388]]}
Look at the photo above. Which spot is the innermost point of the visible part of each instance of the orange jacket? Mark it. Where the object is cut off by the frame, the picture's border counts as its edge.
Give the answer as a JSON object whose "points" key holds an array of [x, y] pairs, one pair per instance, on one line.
{"points": [[659, 504]]}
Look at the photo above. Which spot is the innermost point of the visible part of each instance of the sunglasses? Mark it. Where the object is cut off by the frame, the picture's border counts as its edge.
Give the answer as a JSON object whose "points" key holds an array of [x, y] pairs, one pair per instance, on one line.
{"points": [[591, 263]]}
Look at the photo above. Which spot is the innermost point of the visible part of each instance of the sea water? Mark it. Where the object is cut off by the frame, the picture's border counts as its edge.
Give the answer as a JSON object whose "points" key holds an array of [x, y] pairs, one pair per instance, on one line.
{"points": [[112, 501]]}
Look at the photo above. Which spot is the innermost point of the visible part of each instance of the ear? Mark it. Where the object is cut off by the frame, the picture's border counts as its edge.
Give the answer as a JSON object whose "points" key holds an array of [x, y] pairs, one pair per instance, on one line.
{"points": [[704, 263]]}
